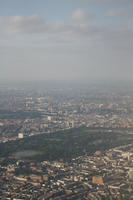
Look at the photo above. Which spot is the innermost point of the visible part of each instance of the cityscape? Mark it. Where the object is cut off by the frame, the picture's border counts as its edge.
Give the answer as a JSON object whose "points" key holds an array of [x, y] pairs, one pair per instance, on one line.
{"points": [[27, 112]]}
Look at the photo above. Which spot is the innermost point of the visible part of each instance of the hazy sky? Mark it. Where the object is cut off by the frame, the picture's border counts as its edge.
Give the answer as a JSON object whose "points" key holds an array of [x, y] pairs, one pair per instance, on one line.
{"points": [[66, 39]]}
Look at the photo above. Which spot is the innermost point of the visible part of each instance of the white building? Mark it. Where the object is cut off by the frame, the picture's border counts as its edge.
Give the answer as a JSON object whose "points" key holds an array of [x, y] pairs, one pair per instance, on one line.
{"points": [[20, 135]]}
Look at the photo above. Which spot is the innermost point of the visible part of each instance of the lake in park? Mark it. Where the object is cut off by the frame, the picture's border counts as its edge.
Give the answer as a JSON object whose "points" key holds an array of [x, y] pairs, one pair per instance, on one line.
{"points": [[26, 153]]}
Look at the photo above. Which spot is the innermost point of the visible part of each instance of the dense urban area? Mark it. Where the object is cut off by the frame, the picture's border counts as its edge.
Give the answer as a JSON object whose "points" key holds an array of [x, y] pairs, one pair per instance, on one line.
{"points": [[66, 142]]}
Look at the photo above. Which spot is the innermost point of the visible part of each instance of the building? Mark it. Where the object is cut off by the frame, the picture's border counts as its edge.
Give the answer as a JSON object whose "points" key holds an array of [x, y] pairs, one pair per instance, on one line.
{"points": [[20, 135]]}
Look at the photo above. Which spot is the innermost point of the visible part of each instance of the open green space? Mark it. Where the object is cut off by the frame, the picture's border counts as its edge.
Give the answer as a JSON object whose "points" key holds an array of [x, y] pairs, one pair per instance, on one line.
{"points": [[6, 114], [66, 144]]}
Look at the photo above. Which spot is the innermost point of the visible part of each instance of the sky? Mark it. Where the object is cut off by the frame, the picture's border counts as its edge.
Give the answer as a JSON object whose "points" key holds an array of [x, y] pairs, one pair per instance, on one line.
{"points": [[66, 40]]}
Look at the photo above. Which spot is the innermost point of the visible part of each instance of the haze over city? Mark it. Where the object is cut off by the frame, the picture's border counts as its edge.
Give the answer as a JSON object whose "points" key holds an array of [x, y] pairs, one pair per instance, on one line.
{"points": [[66, 40]]}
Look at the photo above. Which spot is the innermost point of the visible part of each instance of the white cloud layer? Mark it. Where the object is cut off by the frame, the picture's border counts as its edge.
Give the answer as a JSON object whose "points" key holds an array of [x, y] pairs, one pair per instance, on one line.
{"points": [[18, 24], [36, 24]]}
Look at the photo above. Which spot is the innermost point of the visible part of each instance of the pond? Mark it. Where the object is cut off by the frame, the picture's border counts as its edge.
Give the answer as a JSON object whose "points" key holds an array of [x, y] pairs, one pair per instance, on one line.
{"points": [[26, 153]]}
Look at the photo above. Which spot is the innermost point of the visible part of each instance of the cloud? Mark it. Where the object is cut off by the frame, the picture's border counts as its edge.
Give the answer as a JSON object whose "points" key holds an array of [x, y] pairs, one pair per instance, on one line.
{"points": [[30, 24], [79, 15], [114, 13], [18, 24], [36, 24]]}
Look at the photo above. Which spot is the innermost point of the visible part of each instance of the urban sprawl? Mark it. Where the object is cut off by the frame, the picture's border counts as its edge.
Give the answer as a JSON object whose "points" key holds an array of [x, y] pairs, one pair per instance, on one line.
{"points": [[28, 111]]}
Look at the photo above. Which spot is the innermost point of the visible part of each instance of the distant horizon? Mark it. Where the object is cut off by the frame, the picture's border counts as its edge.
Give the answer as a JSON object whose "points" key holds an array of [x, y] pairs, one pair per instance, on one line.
{"points": [[62, 83]]}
